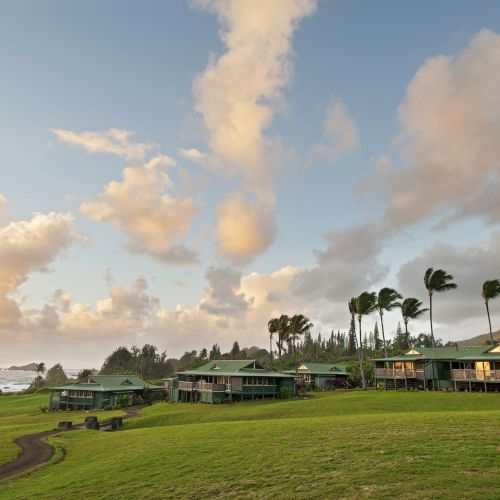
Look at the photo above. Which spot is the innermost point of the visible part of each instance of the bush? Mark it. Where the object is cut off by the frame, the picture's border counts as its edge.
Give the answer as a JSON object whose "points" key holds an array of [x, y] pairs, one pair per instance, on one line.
{"points": [[44, 408], [285, 393]]}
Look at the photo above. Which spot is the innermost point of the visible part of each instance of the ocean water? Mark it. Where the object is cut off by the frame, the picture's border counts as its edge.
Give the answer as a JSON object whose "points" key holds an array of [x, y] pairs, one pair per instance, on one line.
{"points": [[18, 380]]}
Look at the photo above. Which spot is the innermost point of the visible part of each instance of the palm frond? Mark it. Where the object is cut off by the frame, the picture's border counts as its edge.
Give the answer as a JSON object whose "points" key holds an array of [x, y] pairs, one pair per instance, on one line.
{"points": [[491, 289]]}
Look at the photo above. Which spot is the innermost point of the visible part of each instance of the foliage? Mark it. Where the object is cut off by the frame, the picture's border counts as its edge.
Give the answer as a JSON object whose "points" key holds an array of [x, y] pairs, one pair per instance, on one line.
{"points": [[56, 376]]}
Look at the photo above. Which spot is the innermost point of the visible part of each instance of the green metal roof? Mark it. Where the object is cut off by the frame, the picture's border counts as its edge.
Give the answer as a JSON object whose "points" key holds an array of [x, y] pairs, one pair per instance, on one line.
{"points": [[493, 356], [233, 367], [320, 368], [110, 383], [438, 353], [401, 358]]}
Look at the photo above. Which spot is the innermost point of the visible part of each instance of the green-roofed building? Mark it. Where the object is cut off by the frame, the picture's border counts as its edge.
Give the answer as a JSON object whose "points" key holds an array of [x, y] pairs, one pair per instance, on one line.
{"points": [[228, 380], [459, 368], [101, 391], [322, 376]]}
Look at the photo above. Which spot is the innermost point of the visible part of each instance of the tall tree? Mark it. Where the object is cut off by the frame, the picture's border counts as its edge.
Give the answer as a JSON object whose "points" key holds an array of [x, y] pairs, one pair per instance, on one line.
{"points": [[491, 289], [272, 328], [298, 325], [411, 308], [437, 281], [387, 300], [283, 325], [364, 305]]}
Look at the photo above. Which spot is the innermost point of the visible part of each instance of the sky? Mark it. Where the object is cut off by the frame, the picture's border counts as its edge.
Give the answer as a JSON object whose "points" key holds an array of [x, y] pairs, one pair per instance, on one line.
{"points": [[178, 173]]}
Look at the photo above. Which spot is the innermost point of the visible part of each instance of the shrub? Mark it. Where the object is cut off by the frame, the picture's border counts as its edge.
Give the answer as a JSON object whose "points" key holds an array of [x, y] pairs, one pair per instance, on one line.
{"points": [[285, 393]]}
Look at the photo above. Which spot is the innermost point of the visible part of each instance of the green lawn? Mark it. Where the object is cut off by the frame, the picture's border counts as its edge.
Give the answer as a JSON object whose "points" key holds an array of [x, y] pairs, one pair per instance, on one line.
{"points": [[337, 445], [21, 415]]}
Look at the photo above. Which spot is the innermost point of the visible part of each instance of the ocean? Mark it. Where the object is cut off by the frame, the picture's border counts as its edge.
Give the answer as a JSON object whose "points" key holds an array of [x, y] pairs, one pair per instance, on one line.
{"points": [[18, 380]]}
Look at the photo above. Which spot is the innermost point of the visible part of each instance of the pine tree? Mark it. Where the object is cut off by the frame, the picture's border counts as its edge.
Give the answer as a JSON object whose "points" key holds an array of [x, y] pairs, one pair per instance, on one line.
{"points": [[376, 338]]}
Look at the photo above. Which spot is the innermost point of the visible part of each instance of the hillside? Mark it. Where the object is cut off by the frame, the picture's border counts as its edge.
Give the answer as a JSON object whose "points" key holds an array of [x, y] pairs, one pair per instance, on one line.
{"points": [[333, 445], [479, 339]]}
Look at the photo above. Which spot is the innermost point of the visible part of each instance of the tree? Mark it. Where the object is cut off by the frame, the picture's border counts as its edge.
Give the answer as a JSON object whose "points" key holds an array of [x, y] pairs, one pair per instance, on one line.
{"points": [[387, 300], [214, 352], [235, 351], [364, 305], [411, 308], [298, 325], [40, 370], [491, 289], [437, 281], [272, 328], [56, 376], [282, 330], [84, 374]]}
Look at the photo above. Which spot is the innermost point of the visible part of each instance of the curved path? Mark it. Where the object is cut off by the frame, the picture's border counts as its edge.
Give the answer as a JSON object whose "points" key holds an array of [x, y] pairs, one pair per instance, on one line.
{"points": [[36, 451]]}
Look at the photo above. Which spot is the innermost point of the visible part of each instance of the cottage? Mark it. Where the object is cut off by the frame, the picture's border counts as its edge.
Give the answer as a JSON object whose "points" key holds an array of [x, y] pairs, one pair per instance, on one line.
{"points": [[323, 376], [101, 391], [228, 380], [459, 368]]}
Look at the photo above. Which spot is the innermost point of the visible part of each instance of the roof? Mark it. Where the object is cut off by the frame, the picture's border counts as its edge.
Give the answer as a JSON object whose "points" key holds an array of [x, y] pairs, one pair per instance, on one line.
{"points": [[110, 383], [487, 356], [233, 367], [320, 368], [437, 353]]}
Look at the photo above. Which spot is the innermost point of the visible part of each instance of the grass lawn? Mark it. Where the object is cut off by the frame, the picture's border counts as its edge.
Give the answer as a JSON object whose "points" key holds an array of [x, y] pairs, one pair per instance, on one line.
{"points": [[21, 415], [334, 445]]}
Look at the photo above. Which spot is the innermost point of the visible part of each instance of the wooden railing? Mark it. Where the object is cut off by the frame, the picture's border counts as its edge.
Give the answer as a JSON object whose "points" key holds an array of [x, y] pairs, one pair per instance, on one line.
{"points": [[185, 386], [396, 373], [207, 386], [481, 375]]}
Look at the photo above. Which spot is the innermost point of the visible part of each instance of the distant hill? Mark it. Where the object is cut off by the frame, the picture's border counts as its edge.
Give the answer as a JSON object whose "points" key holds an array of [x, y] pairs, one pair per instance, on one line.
{"points": [[479, 340], [31, 367]]}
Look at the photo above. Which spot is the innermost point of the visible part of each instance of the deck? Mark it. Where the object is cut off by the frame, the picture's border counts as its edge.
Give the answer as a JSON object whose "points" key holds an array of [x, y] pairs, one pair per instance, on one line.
{"points": [[476, 375]]}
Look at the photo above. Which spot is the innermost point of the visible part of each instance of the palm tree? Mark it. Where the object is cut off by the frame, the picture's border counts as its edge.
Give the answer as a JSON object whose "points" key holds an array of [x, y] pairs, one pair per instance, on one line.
{"points": [[437, 281], [491, 289], [387, 300], [411, 309], [40, 370], [352, 310], [365, 304], [272, 327], [299, 325], [283, 323]]}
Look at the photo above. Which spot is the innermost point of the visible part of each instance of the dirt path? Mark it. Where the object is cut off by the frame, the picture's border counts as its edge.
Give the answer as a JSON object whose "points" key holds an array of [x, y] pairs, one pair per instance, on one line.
{"points": [[36, 451]]}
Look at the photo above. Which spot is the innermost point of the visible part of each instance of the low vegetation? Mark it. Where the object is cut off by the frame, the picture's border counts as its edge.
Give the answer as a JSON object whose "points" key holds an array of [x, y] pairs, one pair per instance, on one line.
{"points": [[341, 444]]}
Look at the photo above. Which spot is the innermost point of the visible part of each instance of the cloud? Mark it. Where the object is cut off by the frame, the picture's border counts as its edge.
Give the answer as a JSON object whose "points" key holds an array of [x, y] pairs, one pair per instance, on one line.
{"points": [[194, 155], [221, 298], [25, 247], [112, 141], [348, 266], [244, 228], [151, 218], [340, 132], [471, 266], [451, 124], [238, 93]]}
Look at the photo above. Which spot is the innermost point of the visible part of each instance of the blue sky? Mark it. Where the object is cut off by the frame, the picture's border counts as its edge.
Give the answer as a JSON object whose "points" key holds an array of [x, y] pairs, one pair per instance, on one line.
{"points": [[94, 66]]}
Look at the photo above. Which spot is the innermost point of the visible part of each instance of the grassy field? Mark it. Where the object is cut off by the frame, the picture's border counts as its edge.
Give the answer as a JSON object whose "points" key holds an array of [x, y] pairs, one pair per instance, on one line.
{"points": [[336, 445], [21, 415]]}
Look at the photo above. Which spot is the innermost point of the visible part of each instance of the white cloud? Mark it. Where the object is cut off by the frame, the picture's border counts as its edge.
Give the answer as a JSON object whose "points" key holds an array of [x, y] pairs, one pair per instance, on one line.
{"points": [[25, 247], [140, 206], [244, 228], [340, 132], [194, 155], [451, 124], [112, 141]]}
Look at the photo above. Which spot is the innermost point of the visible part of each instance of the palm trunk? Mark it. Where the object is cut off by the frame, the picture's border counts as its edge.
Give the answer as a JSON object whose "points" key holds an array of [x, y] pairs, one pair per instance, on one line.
{"points": [[271, 348], [361, 359], [407, 336], [489, 321], [383, 333], [430, 314]]}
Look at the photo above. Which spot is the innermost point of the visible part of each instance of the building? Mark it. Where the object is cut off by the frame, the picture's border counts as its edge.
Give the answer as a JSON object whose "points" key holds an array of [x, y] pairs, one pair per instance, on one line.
{"points": [[322, 376], [228, 380], [458, 368], [101, 391]]}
